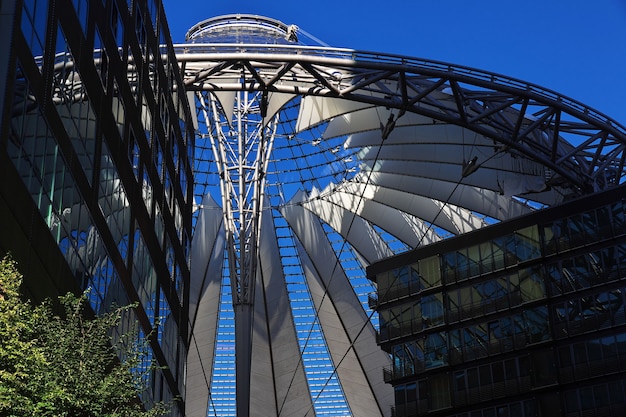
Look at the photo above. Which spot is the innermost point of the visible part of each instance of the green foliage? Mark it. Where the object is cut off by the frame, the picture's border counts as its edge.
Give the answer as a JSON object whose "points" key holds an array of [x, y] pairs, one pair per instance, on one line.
{"points": [[64, 365]]}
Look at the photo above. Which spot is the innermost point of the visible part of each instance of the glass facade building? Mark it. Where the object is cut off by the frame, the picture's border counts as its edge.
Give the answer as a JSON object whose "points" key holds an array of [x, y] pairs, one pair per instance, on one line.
{"points": [[522, 318], [96, 176]]}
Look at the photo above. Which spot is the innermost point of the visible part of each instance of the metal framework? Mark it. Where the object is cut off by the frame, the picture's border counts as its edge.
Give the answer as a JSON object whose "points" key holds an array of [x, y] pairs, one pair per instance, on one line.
{"points": [[524, 117], [242, 91], [242, 153]]}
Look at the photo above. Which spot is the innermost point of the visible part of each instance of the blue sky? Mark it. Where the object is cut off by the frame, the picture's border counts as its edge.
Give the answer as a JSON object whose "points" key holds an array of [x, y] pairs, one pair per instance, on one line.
{"points": [[575, 47]]}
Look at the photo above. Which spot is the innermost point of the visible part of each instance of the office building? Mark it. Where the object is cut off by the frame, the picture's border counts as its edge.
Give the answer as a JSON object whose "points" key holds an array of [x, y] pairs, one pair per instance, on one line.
{"points": [[96, 175], [523, 318]]}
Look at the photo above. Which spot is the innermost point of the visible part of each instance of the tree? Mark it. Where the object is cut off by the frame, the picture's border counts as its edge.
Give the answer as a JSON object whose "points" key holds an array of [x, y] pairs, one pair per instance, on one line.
{"points": [[65, 364]]}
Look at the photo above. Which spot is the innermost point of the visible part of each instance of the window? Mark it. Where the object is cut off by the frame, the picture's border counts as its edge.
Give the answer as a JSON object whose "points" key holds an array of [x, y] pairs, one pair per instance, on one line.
{"points": [[81, 8], [429, 272], [117, 28], [435, 350], [101, 59], [527, 243], [432, 310], [439, 392], [34, 22]]}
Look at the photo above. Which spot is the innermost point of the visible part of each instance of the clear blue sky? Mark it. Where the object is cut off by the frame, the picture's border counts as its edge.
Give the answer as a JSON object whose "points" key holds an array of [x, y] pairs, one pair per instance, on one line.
{"points": [[575, 47]]}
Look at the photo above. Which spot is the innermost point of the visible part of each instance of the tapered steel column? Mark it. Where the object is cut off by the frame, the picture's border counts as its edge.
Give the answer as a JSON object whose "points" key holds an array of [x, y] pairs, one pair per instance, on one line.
{"points": [[241, 147]]}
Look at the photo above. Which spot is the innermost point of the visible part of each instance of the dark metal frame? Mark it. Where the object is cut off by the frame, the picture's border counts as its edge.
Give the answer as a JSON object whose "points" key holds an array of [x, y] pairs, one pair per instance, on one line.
{"points": [[524, 118]]}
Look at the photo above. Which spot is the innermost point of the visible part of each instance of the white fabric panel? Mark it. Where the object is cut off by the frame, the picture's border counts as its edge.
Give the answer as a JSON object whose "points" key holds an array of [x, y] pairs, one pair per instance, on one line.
{"points": [[489, 179], [389, 209], [439, 151], [315, 109], [489, 203], [406, 133], [227, 100], [204, 300], [262, 387], [369, 119], [340, 216], [194, 114], [342, 318], [453, 219], [278, 383], [452, 153], [275, 101]]}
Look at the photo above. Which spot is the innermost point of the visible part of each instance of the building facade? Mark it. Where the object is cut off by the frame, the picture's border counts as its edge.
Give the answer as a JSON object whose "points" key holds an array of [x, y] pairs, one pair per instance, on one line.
{"points": [[523, 318], [96, 175]]}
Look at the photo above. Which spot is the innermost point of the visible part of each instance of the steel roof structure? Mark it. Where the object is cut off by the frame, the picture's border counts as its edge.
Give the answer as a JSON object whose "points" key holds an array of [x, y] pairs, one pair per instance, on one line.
{"points": [[312, 162]]}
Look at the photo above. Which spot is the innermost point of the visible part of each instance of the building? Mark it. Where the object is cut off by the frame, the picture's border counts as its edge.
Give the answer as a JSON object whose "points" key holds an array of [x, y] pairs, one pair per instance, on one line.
{"points": [[96, 174], [522, 318], [303, 164]]}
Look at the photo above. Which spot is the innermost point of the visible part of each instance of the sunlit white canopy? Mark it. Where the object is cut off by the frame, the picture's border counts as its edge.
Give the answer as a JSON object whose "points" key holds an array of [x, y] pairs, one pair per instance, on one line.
{"points": [[311, 163]]}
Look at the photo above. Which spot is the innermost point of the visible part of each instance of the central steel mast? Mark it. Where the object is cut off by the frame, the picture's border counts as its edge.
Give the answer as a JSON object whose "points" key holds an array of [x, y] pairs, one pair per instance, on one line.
{"points": [[242, 148]]}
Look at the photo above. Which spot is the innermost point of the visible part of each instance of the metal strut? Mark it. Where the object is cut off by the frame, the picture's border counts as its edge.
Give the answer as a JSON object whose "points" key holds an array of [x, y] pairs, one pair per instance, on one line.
{"points": [[242, 149]]}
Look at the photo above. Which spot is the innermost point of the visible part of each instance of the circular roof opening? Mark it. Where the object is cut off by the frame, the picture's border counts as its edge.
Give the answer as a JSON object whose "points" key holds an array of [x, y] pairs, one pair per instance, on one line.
{"points": [[243, 28]]}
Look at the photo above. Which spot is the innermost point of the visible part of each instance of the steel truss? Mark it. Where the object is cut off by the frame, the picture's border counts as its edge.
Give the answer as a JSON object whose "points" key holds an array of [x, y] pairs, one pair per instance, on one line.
{"points": [[522, 117], [242, 153]]}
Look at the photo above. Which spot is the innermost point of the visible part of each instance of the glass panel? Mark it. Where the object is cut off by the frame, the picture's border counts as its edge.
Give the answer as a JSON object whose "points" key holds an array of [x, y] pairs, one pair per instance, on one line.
{"points": [[609, 348], [536, 321], [621, 344], [510, 368], [565, 356], [466, 296], [432, 310], [571, 401], [144, 276], [167, 334], [113, 202], [531, 284], [594, 350], [486, 258], [449, 266], [618, 214], [459, 381], [101, 58], [382, 284], [401, 282], [430, 272], [435, 350], [497, 370], [472, 378], [439, 389], [601, 395], [399, 394], [80, 6], [603, 219], [551, 234], [544, 368], [406, 319], [527, 244], [499, 252], [575, 231], [616, 392], [117, 28], [34, 20], [463, 263], [485, 375]]}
